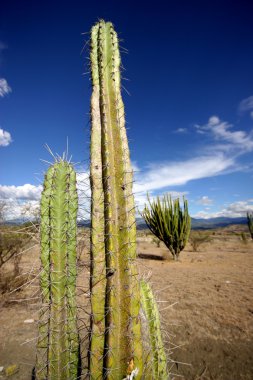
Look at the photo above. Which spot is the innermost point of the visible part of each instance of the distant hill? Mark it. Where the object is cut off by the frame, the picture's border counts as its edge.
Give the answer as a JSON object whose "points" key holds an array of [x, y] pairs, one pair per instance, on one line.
{"points": [[216, 222], [196, 223], [203, 223]]}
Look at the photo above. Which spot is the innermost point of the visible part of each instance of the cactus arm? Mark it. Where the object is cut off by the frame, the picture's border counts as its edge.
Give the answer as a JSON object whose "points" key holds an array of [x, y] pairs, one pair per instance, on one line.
{"points": [[97, 279], [157, 354]]}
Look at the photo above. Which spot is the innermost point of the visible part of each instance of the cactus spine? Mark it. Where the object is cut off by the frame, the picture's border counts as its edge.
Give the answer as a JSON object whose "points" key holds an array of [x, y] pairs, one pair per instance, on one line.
{"points": [[169, 222], [250, 223], [157, 356], [57, 349], [115, 294]]}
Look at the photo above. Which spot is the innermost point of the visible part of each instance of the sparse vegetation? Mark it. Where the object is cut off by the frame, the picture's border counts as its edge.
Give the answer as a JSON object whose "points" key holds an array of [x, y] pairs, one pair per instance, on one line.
{"points": [[3, 210], [243, 237], [169, 222], [197, 238], [13, 241], [156, 241]]}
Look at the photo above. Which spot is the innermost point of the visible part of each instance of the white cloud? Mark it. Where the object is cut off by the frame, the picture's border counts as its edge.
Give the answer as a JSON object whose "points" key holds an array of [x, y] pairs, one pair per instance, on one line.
{"points": [[214, 159], [159, 177], [214, 120], [135, 166], [5, 138], [234, 210], [232, 140], [246, 104], [205, 201], [179, 173], [4, 87], [141, 197], [17, 209], [217, 158], [27, 191], [20, 196], [181, 130], [28, 196], [84, 194]]}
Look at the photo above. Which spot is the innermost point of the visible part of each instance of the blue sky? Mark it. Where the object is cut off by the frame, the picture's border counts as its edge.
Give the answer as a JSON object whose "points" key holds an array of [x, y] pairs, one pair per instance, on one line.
{"points": [[189, 114]]}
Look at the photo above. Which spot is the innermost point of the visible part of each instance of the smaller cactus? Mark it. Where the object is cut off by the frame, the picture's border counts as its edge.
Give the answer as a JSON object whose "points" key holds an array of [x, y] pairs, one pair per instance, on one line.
{"points": [[169, 222], [156, 356], [58, 344], [250, 223]]}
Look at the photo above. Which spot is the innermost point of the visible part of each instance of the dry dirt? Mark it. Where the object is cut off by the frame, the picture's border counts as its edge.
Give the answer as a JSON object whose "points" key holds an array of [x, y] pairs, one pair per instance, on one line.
{"points": [[206, 304]]}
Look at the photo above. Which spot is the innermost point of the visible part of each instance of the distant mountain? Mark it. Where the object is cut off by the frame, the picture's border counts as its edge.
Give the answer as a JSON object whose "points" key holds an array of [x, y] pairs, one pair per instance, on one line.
{"points": [[203, 223], [141, 225], [216, 222], [18, 221]]}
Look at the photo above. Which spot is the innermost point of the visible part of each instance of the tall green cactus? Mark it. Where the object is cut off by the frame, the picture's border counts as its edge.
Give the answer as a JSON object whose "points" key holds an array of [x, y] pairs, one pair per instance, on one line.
{"points": [[169, 222], [116, 345], [57, 349], [250, 223]]}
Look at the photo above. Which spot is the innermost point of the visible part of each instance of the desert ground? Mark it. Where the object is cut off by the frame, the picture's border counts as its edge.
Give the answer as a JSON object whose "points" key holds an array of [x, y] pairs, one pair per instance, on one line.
{"points": [[205, 300]]}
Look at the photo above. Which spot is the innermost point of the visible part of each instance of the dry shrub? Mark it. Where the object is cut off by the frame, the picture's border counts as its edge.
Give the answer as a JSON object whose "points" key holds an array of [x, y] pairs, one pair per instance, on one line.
{"points": [[13, 240], [156, 241], [197, 238]]}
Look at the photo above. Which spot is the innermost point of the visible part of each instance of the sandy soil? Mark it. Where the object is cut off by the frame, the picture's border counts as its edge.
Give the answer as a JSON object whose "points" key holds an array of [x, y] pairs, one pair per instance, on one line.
{"points": [[205, 299]]}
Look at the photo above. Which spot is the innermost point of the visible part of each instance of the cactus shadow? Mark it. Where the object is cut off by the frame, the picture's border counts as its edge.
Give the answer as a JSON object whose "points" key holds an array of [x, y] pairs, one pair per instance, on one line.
{"points": [[150, 256]]}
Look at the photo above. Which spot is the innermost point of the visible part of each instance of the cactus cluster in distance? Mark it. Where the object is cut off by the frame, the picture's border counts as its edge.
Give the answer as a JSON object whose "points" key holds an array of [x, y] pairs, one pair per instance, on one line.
{"points": [[125, 336], [169, 222]]}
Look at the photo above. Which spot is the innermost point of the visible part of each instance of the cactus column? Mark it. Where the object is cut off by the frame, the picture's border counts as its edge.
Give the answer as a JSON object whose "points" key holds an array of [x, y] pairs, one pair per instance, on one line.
{"points": [[116, 346], [57, 349]]}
